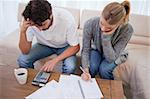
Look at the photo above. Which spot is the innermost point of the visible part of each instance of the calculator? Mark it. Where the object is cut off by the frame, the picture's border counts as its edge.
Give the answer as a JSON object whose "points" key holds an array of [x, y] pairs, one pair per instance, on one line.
{"points": [[41, 78]]}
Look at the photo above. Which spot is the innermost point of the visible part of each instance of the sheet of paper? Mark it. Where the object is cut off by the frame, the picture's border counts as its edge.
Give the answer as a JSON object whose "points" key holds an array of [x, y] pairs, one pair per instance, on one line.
{"points": [[90, 89], [63, 78], [75, 77], [68, 87], [49, 91]]}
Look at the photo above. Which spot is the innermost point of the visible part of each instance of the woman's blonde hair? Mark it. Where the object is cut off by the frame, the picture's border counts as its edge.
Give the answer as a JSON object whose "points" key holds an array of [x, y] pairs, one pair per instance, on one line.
{"points": [[115, 12]]}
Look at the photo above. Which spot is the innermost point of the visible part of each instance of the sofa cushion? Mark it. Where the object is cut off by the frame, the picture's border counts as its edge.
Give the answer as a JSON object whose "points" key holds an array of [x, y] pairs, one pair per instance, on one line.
{"points": [[9, 50], [138, 54], [87, 14], [134, 72], [142, 40], [140, 24], [75, 13]]}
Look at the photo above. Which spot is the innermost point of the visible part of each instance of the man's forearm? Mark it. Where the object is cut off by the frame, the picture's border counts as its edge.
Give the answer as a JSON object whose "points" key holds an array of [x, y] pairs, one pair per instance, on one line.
{"points": [[68, 52], [24, 45]]}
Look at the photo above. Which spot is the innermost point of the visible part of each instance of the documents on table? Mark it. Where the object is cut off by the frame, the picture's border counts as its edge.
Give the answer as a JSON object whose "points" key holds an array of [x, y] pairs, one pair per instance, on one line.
{"points": [[68, 87]]}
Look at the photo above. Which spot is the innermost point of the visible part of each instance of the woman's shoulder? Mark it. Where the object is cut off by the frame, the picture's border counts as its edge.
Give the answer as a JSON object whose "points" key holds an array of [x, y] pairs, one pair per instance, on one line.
{"points": [[127, 28], [92, 21]]}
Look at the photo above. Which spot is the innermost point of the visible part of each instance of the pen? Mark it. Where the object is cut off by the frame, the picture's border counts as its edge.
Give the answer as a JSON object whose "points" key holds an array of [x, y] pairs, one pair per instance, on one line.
{"points": [[85, 72], [82, 69]]}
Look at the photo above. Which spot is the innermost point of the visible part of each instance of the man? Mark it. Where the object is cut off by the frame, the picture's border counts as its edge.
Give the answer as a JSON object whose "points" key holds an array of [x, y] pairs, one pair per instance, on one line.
{"points": [[55, 31]]}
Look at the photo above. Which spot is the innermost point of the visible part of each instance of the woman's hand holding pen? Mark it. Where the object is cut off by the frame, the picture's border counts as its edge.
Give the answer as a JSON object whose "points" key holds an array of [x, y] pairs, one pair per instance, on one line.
{"points": [[85, 75]]}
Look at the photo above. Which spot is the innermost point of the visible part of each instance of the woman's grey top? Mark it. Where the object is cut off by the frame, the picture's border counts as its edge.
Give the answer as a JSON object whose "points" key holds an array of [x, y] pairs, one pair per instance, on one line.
{"points": [[111, 46]]}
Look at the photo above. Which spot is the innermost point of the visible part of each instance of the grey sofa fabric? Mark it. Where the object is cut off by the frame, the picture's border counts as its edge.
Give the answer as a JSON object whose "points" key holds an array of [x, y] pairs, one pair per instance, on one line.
{"points": [[135, 73]]}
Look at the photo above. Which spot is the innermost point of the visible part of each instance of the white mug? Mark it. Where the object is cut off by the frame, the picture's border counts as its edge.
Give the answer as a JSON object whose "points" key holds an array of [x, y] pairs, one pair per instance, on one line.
{"points": [[21, 75]]}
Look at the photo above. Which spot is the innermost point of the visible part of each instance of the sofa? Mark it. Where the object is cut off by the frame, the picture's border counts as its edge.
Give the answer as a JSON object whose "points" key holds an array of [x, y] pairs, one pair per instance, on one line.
{"points": [[134, 73]]}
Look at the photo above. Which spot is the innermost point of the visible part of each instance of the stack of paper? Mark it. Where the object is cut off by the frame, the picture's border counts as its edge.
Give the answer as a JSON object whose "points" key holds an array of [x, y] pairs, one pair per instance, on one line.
{"points": [[68, 87], [49, 91]]}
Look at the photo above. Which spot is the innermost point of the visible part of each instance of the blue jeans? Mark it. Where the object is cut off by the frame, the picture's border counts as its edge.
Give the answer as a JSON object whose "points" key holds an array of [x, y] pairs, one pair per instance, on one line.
{"points": [[39, 51], [98, 64]]}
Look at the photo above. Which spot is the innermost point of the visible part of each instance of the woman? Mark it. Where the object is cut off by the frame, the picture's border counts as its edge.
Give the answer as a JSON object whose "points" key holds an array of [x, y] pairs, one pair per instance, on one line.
{"points": [[104, 41]]}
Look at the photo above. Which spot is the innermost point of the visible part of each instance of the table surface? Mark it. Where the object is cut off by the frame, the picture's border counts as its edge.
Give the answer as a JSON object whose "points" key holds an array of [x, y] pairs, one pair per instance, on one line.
{"points": [[10, 89]]}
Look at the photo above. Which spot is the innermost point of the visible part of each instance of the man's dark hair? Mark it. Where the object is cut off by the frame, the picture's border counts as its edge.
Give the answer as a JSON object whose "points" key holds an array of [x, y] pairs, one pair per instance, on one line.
{"points": [[37, 11]]}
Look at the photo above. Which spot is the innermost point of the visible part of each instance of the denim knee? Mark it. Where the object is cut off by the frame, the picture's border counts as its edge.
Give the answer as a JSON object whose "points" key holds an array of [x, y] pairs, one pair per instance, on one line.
{"points": [[106, 74], [93, 70], [25, 62], [106, 69], [70, 69], [95, 59], [69, 65]]}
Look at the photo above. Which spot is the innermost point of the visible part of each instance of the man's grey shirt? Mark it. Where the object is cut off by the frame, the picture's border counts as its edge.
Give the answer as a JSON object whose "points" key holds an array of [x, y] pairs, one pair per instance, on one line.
{"points": [[111, 46]]}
